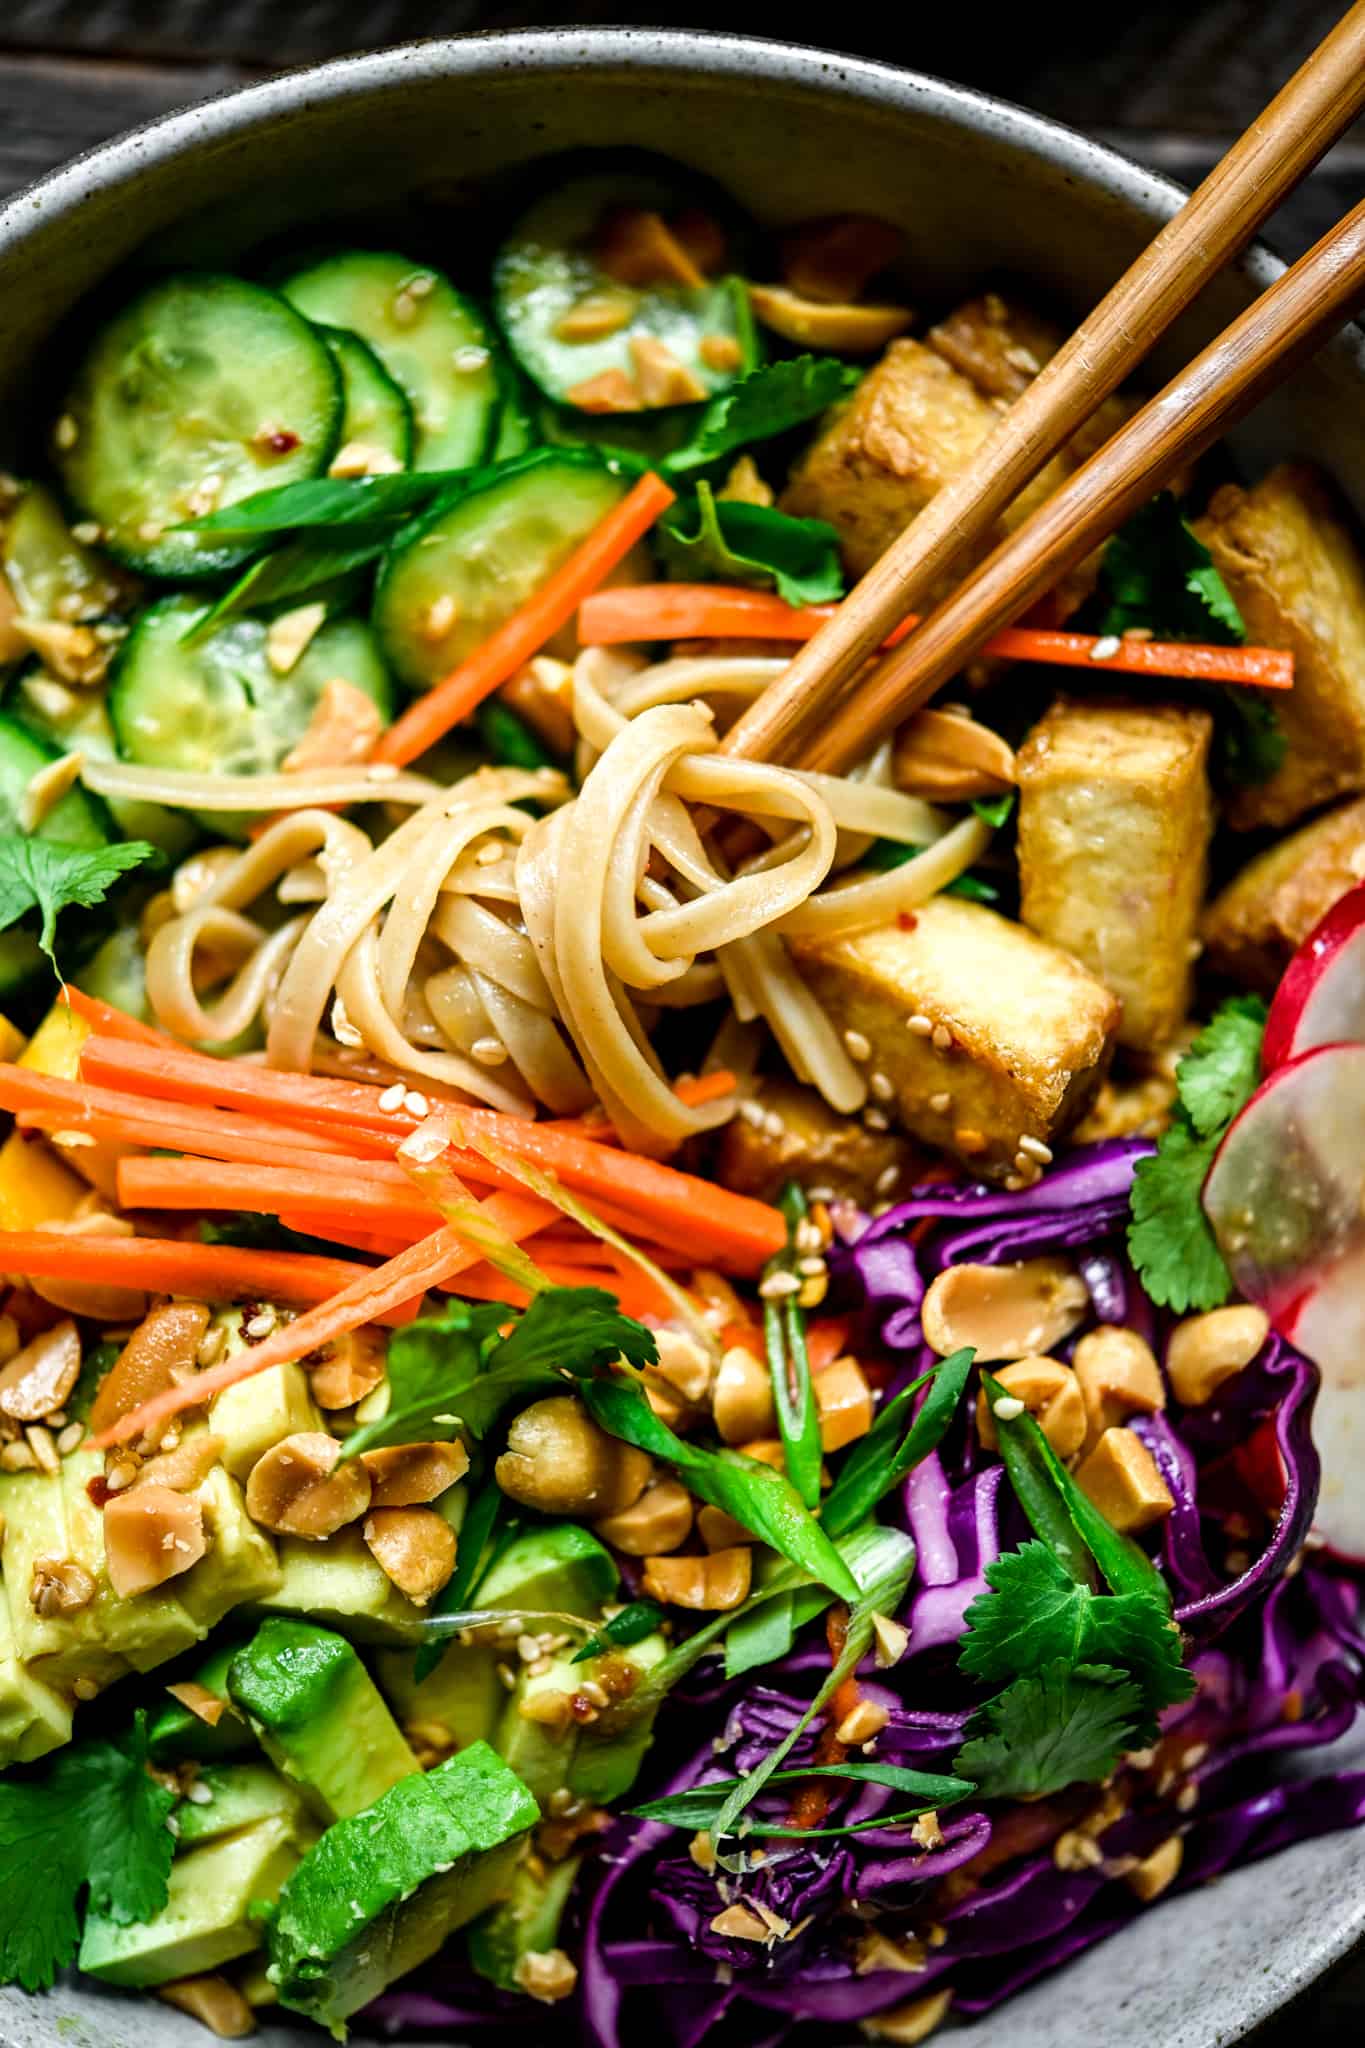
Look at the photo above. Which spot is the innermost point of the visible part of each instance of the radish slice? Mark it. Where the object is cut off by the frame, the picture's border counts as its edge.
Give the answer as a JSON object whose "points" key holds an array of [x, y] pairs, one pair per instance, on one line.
{"points": [[1321, 1000], [1285, 1197]]}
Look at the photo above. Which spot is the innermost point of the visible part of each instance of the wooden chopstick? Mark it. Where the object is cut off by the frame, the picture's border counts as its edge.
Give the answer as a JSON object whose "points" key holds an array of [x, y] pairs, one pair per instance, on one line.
{"points": [[1260, 169], [1256, 352]]}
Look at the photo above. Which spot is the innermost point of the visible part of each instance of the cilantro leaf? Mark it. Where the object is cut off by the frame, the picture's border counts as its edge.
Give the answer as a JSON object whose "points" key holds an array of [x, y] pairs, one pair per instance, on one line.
{"points": [[766, 402], [712, 539], [1059, 1726], [764, 1500], [1169, 1238], [47, 875], [1249, 743], [1036, 1615], [1222, 1068], [95, 1819], [1157, 573], [453, 1370]]}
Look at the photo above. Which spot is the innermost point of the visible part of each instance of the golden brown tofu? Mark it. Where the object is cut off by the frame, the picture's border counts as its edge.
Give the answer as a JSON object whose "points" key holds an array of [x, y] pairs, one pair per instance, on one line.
{"points": [[1297, 573], [992, 1040], [788, 1132], [1114, 824], [912, 423], [997, 343], [1255, 925]]}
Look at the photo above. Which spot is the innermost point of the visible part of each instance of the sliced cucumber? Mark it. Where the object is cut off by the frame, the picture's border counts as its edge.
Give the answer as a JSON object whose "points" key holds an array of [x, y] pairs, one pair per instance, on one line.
{"points": [[116, 973], [78, 819], [550, 269], [86, 727], [432, 341], [377, 414], [485, 555], [217, 706], [51, 573], [203, 391], [517, 433]]}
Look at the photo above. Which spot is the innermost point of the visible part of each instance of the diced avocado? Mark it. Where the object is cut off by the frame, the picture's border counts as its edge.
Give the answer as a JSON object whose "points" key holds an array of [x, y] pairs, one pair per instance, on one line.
{"points": [[256, 1414], [319, 1716], [206, 1920], [556, 1569], [339, 1583], [176, 1734], [463, 1694], [33, 1718], [560, 1752], [380, 1893], [240, 1564], [238, 1796], [58, 1647], [150, 1627], [526, 1922]]}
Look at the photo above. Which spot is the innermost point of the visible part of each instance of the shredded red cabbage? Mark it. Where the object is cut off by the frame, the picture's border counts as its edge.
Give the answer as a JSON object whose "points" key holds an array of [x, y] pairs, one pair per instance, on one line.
{"points": [[1277, 1649]]}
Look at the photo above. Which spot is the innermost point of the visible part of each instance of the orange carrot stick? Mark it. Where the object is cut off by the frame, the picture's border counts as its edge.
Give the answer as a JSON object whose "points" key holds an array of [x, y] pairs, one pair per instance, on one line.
{"points": [[216, 1272], [102, 1016], [705, 611], [47, 1102], [428, 718]]}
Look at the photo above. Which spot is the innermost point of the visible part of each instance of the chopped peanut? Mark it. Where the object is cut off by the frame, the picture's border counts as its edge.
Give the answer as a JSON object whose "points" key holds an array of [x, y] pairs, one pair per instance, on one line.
{"points": [[835, 258], [844, 1400], [93, 1298], [39, 1378], [1051, 1392], [408, 1475], [861, 1723], [596, 316], [161, 1348], [1003, 1311], [720, 352], [151, 1535], [1120, 1476], [684, 1364], [59, 1586], [660, 378], [45, 789], [608, 391], [718, 1531], [353, 1368], [414, 1547], [949, 759], [287, 637], [545, 1974], [214, 2002], [558, 1461], [637, 247], [185, 1467], [851, 330], [343, 727], [1206, 1350], [542, 693], [199, 1701], [912, 2022], [703, 237], [1158, 1870], [744, 485], [714, 1583], [1119, 1377], [657, 1522], [743, 1399], [740, 1922], [300, 1489], [765, 1450]]}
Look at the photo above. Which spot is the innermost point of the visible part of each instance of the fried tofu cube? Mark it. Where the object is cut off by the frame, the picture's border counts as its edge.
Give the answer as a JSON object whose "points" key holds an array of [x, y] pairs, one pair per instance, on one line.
{"points": [[1254, 926], [1115, 818], [913, 422], [996, 343], [785, 1132], [1293, 565], [987, 1035]]}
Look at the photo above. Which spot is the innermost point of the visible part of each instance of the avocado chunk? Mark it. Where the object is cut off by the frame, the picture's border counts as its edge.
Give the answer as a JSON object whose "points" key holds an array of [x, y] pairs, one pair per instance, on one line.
{"points": [[256, 1414], [339, 1584], [33, 1718], [380, 1893], [206, 1920], [56, 1648], [526, 1922], [559, 1751], [240, 1564], [152, 1626], [176, 1734], [319, 1716], [228, 1797]]}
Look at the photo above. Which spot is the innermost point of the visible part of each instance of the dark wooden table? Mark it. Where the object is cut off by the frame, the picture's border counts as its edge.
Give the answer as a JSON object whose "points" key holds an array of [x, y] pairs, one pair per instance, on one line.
{"points": [[1170, 82]]}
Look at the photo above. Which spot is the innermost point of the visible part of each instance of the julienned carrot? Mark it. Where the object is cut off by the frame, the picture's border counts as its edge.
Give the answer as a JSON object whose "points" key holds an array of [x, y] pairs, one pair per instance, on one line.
{"points": [[216, 1272], [428, 718], [372, 1241], [747, 1232], [102, 1016], [47, 1102], [708, 611]]}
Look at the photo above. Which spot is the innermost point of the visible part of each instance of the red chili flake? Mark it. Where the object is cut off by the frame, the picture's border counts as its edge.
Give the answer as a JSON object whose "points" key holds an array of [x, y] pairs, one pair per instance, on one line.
{"points": [[99, 1490], [906, 920], [281, 441]]}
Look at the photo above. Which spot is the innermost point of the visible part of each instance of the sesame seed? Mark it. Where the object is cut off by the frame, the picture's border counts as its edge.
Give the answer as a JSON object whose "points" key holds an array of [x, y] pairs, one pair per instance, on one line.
{"points": [[1106, 647], [941, 1103], [489, 1052], [507, 1676], [343, 1030], [1013, 1183], [392, 1098], [943, 1038], [876, 1120], [44, 1450], [778, 1285], [416, 1104], [88, 532], [66, 431], [882, 1086], [857, 1045], [490, 853], [85, 1688], [1034, 1148], [382, 771], [1187, 1798], [812, 1265], [72, 1436], [921, 1025], [261, 1324], [887, 1179], [469, 359], [1009, 1408]]}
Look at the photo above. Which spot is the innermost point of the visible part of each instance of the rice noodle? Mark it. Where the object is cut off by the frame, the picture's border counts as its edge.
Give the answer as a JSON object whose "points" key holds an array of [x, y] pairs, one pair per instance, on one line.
{"points": [[517, 957]]}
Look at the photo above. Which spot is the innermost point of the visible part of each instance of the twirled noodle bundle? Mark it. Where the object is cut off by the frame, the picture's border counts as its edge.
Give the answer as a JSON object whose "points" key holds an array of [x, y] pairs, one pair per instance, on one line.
{"points": [[521, 959]]}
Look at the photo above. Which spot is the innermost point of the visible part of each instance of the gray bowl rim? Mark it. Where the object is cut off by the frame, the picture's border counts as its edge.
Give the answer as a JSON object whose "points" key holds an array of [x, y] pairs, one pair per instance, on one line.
{"points": [[238, 110]]}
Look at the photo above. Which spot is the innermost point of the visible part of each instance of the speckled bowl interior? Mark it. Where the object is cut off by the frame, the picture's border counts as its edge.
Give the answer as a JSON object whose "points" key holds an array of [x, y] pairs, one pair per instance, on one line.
{"points": [[982, 189]]}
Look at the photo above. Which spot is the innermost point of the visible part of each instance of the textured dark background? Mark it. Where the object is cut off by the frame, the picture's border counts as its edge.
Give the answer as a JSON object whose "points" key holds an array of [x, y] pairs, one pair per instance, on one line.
{"points": [[1168, 81]]}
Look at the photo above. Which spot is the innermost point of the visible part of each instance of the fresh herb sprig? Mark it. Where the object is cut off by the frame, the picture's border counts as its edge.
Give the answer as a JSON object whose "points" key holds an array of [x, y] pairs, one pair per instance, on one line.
{"points": [[1169, 1238], [708, 539], [701, 1807], [784, 1337], [631, 1625], [769, 401], [48, 876]]}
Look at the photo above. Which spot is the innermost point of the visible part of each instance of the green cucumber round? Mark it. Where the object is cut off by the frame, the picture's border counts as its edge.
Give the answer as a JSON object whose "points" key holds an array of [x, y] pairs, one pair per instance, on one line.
{"points": [[86, 726], [483, 556], [549, 266], [376, 413], [216, 706], [201, 392], [431, 340], [52, 574]]}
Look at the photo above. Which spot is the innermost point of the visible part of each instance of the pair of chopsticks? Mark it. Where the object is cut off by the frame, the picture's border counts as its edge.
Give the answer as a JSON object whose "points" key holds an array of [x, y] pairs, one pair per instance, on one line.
{"points": [[809, 714]]}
